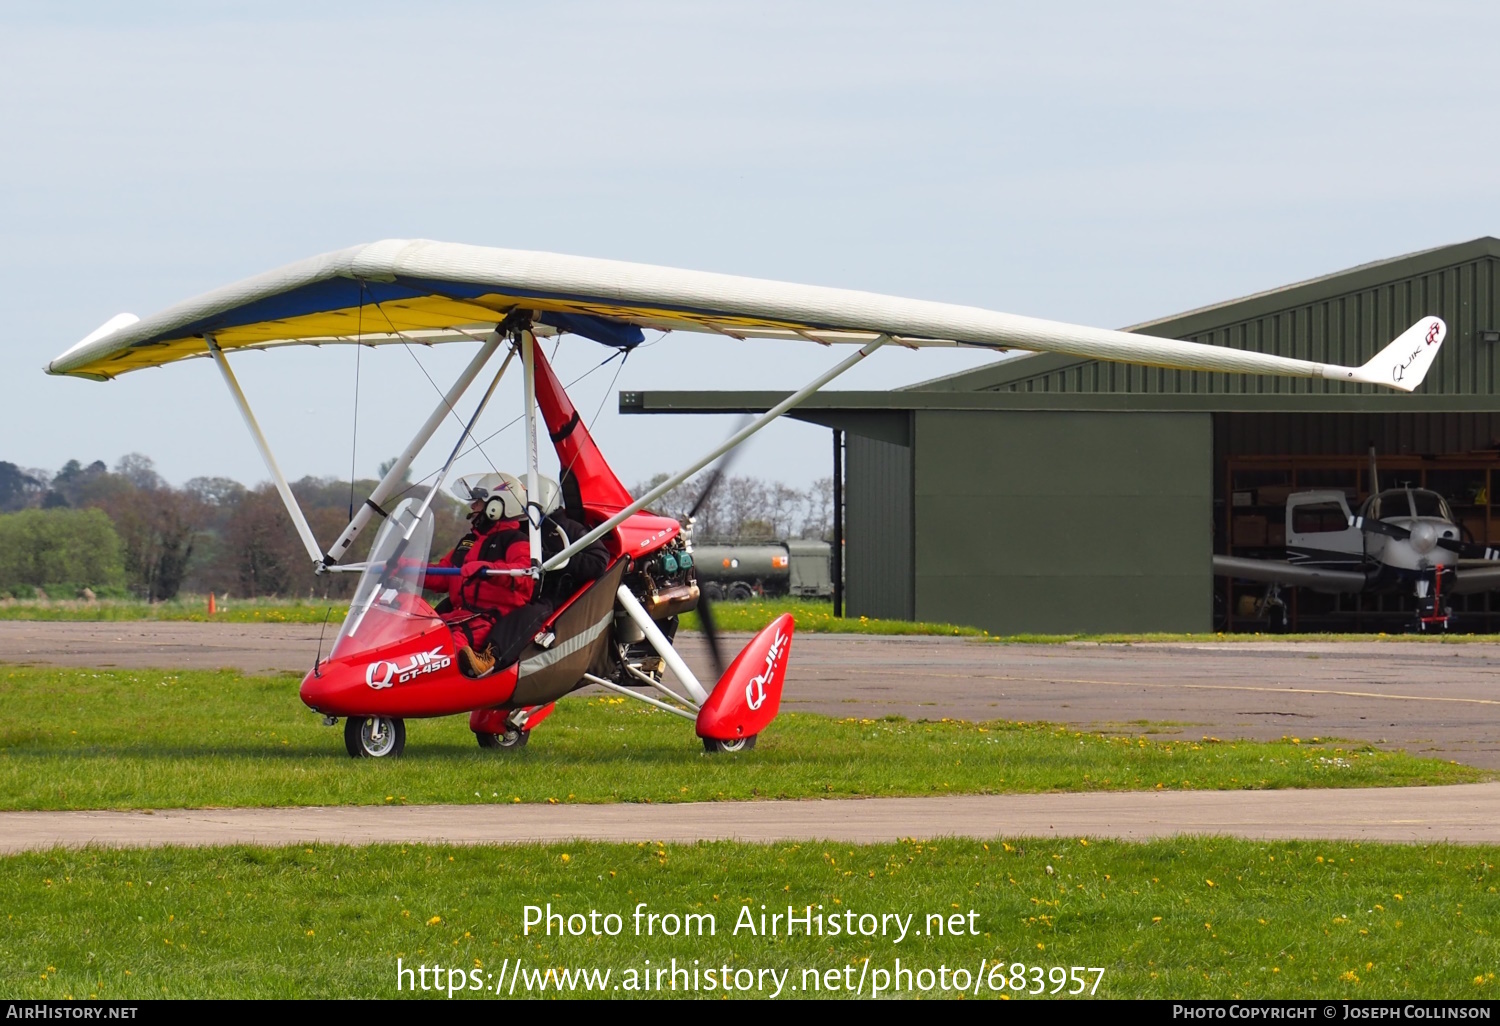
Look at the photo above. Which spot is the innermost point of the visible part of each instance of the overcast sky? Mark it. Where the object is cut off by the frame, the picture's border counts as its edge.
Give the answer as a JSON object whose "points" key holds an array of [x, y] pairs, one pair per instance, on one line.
{"points": [[1101, 163]]}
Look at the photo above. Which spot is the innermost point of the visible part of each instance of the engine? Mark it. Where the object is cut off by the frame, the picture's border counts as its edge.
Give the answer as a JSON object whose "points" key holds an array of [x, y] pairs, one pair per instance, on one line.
{"points": [[666, 584]]}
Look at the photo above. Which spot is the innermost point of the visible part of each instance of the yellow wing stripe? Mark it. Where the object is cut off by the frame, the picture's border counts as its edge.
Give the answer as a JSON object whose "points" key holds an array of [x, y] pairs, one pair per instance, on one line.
{"points": [[418, 314]]}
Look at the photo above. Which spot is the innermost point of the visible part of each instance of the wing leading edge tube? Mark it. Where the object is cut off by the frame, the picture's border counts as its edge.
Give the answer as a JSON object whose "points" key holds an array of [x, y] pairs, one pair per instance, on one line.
{"points": [[436, 291]]}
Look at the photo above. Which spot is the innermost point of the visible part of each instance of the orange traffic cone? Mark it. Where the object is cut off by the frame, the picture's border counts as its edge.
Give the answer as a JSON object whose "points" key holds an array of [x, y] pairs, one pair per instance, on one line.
{"points": [[212, 609]]}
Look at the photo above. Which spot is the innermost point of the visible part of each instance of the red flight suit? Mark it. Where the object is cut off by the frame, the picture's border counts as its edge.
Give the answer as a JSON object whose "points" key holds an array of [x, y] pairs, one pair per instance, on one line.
{"points": [[477, 602]]}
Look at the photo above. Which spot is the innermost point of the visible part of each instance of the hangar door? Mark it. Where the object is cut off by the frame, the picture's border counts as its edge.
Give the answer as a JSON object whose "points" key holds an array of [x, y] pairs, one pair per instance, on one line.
{"points": [[1063, 522]]}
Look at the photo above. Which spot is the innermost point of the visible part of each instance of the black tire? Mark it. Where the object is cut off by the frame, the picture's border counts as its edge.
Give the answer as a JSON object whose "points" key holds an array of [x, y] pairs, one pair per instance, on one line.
{"points": [[739, 744], [375, 737], [739, 591], [511, 739], [713, 591]]}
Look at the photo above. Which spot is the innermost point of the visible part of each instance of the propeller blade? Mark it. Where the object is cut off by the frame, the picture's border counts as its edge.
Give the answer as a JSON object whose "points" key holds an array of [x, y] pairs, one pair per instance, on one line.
{"points": [[709, 486], [711, 632], [705, 605], [1469, 550], [725, 462], [1369, 526]]}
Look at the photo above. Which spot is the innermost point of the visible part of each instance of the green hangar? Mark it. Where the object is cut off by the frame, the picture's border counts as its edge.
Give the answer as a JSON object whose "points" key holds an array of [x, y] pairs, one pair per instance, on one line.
{"points": [[1052, 494]]}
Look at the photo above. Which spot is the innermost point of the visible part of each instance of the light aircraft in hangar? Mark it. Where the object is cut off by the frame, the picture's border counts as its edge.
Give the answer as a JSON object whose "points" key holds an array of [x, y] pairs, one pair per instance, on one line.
{"points": [[1400, 539], [395, 655]]}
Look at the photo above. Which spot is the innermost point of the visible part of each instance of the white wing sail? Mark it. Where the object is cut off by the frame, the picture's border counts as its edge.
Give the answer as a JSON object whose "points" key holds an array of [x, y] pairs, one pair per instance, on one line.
{"points": [[416, 290]]}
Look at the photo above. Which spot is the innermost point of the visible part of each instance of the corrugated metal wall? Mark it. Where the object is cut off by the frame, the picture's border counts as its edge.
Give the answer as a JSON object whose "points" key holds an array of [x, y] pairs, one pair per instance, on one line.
{"points": [[1352, 434], [878, 549], [1058, 522], [1344, 329]]}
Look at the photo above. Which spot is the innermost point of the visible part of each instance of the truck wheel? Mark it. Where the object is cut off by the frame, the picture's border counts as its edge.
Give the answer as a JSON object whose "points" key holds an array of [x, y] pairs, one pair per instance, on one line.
{"points": [[739, 591], [713, 592]]}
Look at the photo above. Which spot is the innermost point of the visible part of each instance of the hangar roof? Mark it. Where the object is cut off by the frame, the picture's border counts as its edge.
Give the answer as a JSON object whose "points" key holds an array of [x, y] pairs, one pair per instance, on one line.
{"points": [[1343, 317]]}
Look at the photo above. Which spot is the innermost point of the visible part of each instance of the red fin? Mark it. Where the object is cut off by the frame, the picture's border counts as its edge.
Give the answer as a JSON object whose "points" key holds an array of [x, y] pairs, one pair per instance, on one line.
{"points": [[748, 696]]}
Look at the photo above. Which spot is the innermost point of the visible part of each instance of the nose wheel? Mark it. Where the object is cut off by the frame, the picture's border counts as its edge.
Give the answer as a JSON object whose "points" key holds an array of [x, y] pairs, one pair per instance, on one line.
{"points": [[375, 737], [1432, 614]]}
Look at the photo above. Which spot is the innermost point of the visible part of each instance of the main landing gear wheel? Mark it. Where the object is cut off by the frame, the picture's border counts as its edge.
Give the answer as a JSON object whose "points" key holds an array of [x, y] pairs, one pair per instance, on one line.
{"points": [[375, 737], [511, 739], [739, 744]]}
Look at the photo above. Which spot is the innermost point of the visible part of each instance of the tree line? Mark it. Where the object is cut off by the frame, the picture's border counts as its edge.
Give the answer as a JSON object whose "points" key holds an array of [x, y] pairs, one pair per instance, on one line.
{"points": [[747, 509], [127, 532]]}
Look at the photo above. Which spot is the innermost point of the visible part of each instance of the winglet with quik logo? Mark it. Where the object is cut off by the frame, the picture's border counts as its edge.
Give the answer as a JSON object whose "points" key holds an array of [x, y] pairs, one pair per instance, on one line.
{"points": [[1402, 364]]}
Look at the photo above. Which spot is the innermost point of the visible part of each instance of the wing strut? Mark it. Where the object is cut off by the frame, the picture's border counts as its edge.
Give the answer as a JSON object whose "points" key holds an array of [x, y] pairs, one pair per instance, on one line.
{"points": [[733, 440], [397, 473], [468, 434], [288, 499], [394, 559], [533, 509]]}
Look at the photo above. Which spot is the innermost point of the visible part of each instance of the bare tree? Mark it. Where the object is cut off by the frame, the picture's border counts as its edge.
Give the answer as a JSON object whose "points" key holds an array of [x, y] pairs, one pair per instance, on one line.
{"points": [[784, 509], [748, 509], [215, 491], [158, 528], [140, 471], [817, 516], [262, 545]]}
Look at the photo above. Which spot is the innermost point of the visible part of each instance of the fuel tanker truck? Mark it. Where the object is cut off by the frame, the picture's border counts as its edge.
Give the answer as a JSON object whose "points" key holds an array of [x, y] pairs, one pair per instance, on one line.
{"points": [[742, 571]]}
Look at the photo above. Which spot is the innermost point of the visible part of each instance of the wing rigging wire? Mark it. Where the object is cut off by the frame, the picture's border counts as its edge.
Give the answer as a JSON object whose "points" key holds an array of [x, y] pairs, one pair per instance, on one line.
{"points": [[624, 355], [451, 410], [406, 344], [517, 419], [478, 444]]}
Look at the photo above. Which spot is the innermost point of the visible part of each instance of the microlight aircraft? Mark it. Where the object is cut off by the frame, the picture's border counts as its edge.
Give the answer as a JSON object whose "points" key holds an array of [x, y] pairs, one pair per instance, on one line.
{"points": [[394, 657]]}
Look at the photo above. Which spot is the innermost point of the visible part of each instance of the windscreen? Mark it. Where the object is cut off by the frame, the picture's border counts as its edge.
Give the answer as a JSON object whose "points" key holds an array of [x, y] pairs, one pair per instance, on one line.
{"points": [[388, 605], [1430, 504]]}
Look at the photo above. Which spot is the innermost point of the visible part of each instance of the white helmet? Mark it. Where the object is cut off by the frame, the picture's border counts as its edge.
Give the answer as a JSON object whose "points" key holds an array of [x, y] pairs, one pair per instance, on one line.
{"points": [[503, 494], [548, 495]]}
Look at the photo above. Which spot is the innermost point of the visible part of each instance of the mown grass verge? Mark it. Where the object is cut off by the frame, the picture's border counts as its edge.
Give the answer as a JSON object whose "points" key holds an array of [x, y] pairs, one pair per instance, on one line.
{"points": [[817, 618], [1180, 918], [752, 615], [187, 608], [80, 739]]}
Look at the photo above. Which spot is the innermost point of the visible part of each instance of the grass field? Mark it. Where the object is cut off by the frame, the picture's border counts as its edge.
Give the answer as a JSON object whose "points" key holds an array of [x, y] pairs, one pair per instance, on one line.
{"points": [[1182, 918], [189, 607], [818, 618], [735, 616], [812, 616], [79, 739]]}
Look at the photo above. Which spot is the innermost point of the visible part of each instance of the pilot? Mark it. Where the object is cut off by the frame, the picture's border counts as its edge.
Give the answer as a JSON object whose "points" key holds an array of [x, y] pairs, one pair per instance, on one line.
{"points": [[485, 611], [559, 530]]}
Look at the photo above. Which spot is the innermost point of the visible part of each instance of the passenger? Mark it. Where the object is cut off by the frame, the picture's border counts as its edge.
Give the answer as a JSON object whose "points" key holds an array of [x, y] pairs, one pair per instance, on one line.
{"points": [[559, 530], [489, 612]]}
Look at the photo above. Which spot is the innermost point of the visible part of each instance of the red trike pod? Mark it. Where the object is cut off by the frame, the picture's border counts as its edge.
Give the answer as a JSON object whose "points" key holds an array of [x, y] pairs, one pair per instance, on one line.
{"points": [[748, 696]]}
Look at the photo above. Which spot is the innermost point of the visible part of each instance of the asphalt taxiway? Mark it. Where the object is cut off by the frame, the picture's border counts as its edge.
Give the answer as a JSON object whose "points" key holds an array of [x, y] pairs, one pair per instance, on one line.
{"points": [[1434, 699]]}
